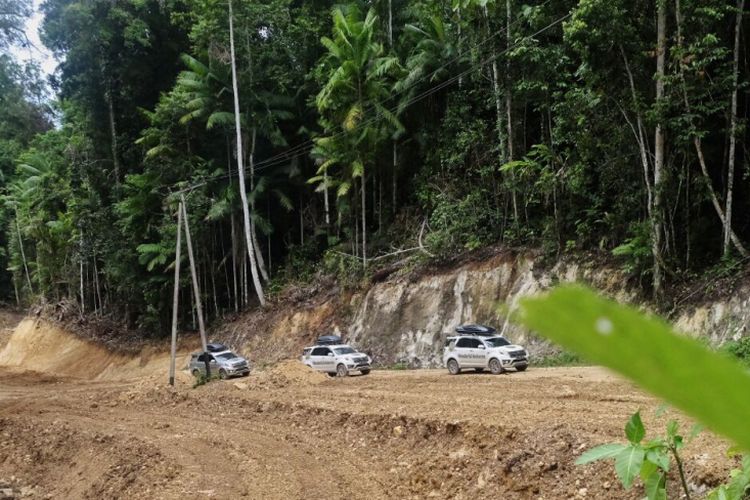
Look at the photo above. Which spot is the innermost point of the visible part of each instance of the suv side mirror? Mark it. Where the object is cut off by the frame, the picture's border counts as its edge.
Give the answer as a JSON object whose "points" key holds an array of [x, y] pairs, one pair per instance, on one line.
{"points": [[481, 346], [330, 354]]}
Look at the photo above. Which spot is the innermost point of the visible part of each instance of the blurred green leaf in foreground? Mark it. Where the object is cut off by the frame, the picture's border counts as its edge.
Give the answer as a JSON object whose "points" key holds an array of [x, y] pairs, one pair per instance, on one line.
{"points": [[704, 384]]}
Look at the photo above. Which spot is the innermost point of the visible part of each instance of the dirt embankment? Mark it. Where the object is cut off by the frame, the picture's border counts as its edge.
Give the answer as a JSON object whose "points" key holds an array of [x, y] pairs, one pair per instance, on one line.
{"points": [[42, 346]]}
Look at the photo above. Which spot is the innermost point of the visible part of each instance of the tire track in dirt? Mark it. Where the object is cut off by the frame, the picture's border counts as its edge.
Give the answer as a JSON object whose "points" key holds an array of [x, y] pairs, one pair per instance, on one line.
{"points": [[417, 434]]}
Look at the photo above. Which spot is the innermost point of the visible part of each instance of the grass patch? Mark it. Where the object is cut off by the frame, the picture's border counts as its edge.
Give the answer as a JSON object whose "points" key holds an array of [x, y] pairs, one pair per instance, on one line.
{"points": [[738, 349], [562, 358], [397, 366], [202, 379]]}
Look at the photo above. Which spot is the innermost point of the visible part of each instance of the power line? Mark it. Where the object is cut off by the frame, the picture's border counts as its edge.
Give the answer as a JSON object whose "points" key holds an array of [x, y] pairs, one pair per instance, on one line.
{"points": [[298, 150], [413, 84]]}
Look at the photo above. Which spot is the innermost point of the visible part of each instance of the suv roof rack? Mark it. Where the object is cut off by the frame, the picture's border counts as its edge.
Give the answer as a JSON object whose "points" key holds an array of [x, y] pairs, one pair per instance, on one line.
{"points": [[328, 340], [481, 330]]}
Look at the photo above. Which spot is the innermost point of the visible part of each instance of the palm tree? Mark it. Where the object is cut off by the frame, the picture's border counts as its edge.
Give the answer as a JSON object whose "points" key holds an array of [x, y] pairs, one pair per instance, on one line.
{"points": [[350, 103]]}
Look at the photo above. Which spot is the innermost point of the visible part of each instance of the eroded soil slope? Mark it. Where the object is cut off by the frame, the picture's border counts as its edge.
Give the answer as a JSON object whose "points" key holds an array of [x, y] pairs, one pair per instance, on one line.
{"points": [[288, 433]]}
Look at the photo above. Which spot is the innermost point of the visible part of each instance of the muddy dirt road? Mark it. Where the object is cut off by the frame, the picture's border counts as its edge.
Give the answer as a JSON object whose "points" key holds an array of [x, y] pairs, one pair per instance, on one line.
{"points": [[289, 433]]}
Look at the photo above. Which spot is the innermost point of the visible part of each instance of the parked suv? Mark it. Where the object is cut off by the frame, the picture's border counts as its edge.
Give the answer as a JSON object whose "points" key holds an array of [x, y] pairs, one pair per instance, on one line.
{"points": [[224, 363], [339, 359], [493, 352]]}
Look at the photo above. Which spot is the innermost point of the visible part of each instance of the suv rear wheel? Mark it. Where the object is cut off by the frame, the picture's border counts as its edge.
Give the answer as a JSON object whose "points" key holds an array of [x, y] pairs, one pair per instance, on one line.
{"points": [[341, 370], [495, 366], [453, 367], [196, 373]]}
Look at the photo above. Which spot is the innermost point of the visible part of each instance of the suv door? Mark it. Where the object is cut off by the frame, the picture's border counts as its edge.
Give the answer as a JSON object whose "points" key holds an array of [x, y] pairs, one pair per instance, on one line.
{"points": [[319, 359], [465, 352], [329, 360], [214, 365], [470, 354]]}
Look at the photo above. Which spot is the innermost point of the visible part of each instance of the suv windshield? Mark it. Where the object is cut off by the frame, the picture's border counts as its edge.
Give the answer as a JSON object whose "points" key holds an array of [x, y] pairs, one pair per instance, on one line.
{"points": [[227, 355], [496, 342], [344, 350]]}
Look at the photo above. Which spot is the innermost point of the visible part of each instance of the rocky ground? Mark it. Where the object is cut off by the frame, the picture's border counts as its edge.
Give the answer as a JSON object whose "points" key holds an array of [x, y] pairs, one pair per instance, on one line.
{"points": [[290, 433]]}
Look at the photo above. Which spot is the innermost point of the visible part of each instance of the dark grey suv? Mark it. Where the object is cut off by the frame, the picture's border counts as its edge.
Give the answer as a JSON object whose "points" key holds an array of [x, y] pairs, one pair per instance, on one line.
{"points": [[225, 364]]}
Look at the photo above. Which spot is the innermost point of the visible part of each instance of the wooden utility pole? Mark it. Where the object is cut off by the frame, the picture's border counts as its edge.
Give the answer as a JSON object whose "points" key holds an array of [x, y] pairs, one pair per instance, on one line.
{"points": [[196, 288], [175, 295]]}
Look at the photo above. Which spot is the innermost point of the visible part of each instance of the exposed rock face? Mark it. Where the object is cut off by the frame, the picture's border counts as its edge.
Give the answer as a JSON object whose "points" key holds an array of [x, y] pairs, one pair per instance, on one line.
{"points": [[407, 321], [720, 321]]}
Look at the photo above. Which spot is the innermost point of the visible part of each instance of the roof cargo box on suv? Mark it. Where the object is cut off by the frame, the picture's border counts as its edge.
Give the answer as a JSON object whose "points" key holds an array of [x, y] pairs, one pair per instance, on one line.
{"points": [[216, 347], [476, 330], [329, 340]]}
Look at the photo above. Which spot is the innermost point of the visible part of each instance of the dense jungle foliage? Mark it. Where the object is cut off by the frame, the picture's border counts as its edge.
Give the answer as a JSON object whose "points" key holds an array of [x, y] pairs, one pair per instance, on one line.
{"points": [[371, 132]]}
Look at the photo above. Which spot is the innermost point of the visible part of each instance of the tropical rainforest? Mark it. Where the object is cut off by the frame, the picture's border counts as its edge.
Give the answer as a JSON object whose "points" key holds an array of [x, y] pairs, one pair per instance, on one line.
{"points": [[310, 136]]}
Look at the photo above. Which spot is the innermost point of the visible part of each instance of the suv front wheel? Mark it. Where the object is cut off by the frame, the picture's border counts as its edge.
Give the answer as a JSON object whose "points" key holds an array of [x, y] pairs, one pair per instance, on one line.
{"points": [[495, 366], [341, 370], [453, 367]]}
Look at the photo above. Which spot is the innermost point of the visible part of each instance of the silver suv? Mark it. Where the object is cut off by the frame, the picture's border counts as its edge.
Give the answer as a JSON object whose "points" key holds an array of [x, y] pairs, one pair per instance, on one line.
{"points": [[494, 352], [224, 363], [339, 359]]}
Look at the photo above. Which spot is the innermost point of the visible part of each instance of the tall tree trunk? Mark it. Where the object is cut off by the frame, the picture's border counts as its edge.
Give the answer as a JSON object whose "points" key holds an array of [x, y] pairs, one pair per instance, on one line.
{"points": [[23, 255], [639, 132], [733, 127], [325, 200], [509, 107], [113, 132], [658, 212], [394, 191], [364, 219], [80, 261], [301, 222], [234, 264], [96, 284], [268, 236], [354, 218], [235, 246], [460, 42], [390, 23], [380, 201], [697, 143], [213, 273], [499, 126], [256, 246], [227, 281], [240, 168]]}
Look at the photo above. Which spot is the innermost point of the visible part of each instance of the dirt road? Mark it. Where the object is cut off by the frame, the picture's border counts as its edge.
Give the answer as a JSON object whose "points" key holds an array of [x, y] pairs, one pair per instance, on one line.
{"points": [[287, 433]]}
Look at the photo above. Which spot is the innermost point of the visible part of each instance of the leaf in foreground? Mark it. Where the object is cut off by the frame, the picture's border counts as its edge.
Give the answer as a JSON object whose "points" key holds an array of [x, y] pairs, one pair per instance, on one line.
{"points": [[628, 464], [704, 384], [600, 453]]}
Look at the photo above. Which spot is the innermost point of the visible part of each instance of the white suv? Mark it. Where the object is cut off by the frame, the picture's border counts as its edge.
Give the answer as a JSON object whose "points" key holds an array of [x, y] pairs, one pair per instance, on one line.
{"points": [[339, 359], [495, 353]]}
